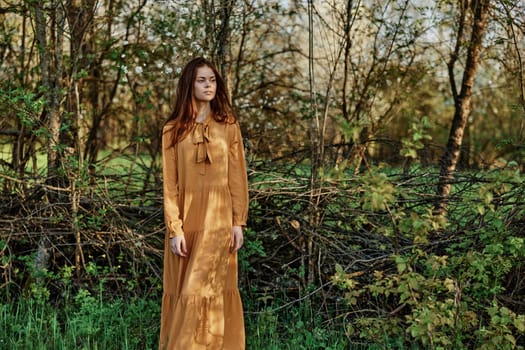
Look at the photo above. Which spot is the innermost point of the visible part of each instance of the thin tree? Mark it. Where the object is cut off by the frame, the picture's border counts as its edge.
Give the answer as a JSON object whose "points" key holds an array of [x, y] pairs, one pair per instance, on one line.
{"points": [[50, 55], [473, 13]]}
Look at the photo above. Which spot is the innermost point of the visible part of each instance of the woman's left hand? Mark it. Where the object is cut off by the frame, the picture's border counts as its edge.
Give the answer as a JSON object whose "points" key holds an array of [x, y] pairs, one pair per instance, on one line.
{"points": [[237, 239]]}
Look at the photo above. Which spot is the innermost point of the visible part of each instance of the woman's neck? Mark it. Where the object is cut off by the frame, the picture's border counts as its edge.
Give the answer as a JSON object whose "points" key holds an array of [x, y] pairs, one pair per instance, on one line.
{"points": [[203, 112]]}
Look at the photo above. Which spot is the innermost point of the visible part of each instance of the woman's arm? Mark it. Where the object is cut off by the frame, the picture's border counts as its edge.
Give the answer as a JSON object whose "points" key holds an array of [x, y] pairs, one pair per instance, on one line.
{"points": [[237, 177], [170, 186], [238, 184]]}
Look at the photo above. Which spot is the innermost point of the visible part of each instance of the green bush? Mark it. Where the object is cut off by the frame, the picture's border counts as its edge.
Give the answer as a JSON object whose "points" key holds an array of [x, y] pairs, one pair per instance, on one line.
{"points": [[446, 288]]}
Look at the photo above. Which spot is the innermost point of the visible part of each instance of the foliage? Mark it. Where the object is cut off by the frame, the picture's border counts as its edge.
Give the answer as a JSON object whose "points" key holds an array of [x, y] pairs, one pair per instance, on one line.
{"points": [[449, 287], [88, 322], [405, 276], [271, 329], [418, 133]]}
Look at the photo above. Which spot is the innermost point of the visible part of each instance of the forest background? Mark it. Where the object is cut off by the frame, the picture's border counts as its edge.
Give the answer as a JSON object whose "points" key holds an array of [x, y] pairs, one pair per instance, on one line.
{"points": [[385, 149]]}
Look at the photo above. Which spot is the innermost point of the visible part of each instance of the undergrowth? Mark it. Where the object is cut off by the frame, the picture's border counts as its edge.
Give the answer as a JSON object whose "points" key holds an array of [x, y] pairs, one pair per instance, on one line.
{"points": [[89, 323], [362, 263]]}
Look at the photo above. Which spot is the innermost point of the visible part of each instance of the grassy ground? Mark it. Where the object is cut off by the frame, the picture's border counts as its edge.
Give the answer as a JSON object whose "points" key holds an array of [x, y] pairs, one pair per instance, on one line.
{"points": [[87, 322]]}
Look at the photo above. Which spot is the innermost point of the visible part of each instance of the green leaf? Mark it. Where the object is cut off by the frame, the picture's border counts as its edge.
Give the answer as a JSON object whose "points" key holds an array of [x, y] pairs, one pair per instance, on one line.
{"points": [[519, 323]]}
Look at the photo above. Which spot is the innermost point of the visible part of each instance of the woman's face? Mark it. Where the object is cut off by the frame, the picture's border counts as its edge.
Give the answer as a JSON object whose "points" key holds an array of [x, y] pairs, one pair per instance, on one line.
{"points": [[204, 86]]}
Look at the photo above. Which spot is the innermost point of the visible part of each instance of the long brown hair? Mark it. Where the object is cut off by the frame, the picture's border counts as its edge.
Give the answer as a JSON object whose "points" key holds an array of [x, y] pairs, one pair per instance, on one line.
{"points": [[183, 116]]}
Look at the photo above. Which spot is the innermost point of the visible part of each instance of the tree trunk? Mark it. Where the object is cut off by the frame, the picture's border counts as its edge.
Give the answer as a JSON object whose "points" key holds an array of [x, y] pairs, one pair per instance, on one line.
{"points": [[462, 101], [315, 134], [50, 55], [346, 71], [240, 53], [222, 54], [79, 15]]}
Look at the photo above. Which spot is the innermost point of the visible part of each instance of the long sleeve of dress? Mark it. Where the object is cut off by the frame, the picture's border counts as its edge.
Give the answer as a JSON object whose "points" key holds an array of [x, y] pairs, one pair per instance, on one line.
{"points": [[170, 187], [237, 178]]}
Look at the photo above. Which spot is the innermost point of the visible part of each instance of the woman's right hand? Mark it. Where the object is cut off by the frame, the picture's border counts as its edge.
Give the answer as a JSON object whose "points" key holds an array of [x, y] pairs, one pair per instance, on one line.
{"points": [[178, 246]]}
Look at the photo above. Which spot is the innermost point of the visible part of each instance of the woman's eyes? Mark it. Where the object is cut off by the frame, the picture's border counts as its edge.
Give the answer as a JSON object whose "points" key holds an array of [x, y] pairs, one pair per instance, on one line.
{"points": [[204, 80]]}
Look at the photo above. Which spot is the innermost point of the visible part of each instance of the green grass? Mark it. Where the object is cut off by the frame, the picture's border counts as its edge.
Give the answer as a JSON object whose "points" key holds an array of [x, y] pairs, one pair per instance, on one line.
{"points": [[90, 323], [87, 323], [271, 327], [271, 331], [108, 164]]}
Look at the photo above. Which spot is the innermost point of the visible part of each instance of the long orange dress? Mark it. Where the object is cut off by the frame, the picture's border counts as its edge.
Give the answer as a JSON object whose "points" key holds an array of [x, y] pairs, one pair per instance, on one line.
{"points": [[205, 194]]}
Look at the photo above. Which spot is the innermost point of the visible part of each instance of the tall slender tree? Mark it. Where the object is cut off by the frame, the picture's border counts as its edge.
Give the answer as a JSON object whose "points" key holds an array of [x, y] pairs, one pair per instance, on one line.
{"points": [[49, 21], [472, 14]]}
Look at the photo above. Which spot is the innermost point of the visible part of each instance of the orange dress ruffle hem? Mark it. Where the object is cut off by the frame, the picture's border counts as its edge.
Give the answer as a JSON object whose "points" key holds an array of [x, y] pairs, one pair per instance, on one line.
{"points": [[205, 194]]}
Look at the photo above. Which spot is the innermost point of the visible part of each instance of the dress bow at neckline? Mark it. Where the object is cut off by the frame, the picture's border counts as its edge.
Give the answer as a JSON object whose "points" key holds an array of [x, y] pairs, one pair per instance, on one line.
{"points": [[201, 138]]}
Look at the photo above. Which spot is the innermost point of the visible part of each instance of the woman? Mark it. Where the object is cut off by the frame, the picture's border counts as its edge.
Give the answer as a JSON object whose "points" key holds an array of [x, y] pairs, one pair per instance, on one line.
{"points": [[205, 209]]}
